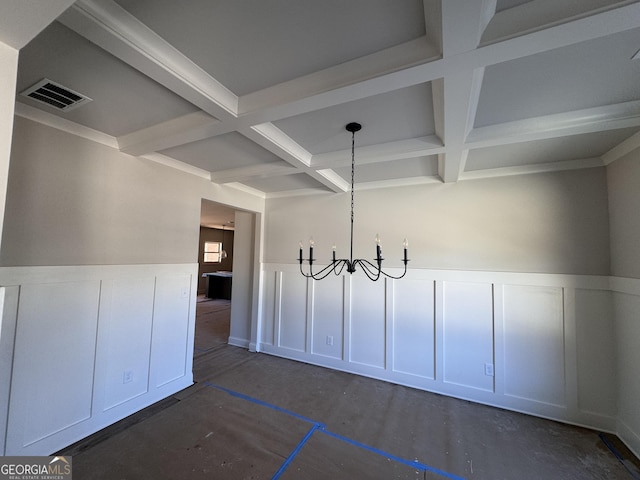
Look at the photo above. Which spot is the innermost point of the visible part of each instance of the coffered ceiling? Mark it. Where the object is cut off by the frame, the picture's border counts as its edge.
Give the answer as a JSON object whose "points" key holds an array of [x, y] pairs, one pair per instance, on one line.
{"points": [[256, 93]]}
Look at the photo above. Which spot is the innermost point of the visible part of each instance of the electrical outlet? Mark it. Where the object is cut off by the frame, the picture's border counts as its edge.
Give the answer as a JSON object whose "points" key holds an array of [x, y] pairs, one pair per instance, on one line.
{"points": [[127, 376], [330, 340], [488, 369]]}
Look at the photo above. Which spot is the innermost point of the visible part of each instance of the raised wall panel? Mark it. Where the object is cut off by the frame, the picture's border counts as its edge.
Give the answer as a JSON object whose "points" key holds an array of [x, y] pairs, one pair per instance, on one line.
{"points": [[125, 338], [170, 328], [54, 360], [368, 327], [436, 329], [269, 307], [413, 328], [534, 343], [293, 312], [468, 334], [77, 330], [627, 331], [595, 340], [328, 322]]}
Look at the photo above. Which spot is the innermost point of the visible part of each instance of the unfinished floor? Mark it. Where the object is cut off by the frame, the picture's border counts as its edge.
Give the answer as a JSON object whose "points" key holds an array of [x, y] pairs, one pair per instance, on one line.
{"points": [[254, 416]]}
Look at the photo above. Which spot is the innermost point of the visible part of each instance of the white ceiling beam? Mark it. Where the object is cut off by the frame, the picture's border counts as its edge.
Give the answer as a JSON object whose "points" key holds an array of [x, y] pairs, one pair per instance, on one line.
{"points": [[433, 22], [534, 168], [608, 117], [462, 24], [253, 172], [333, 180], [629, 145], [382, 152], [363, 77], [112, 28], [277, 142], [178, 131], [437, 100], [178, 165], [461, 93], [398, 182], [536, 14], [269, 136], [570, 33]]}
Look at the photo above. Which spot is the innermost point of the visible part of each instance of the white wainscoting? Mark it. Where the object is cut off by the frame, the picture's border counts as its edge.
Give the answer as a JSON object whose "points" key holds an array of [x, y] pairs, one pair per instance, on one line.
{"points": [[626, 304], [547, 338], [93, 344]]}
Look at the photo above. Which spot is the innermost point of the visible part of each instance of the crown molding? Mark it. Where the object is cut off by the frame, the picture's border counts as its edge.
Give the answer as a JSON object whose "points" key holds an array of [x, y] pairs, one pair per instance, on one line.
{"points": [[59, 123], [630, 144]]}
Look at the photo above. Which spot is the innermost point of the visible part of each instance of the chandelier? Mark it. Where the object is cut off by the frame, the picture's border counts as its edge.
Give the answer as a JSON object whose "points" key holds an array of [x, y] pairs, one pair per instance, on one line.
{"points": [[371, 270]]}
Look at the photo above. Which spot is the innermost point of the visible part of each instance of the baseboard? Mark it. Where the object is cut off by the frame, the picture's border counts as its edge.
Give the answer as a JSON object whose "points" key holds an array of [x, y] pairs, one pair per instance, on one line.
{"points": [[238, 342], [630, 438]]}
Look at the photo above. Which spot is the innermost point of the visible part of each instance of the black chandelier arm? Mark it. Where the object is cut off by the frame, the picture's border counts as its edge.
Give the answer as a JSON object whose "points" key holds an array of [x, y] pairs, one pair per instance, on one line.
{"points": [[336, 267], [342, 263], [374, 271], [369, 269]]}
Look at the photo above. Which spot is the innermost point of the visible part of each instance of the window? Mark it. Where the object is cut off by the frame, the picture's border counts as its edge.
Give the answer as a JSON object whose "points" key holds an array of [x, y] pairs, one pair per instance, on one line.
{"points": [[212, 252]]}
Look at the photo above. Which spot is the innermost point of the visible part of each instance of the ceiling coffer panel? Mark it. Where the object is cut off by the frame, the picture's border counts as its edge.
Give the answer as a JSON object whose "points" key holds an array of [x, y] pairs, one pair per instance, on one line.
{"points": [[55, 95]]}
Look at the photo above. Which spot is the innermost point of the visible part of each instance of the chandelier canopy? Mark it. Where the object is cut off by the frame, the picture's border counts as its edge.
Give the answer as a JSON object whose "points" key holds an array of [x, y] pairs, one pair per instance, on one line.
{"points": [[371, 270]]}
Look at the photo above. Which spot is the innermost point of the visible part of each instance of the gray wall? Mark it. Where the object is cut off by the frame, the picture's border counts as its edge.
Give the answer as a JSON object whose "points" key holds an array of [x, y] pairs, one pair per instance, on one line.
{"points": [[75, 202], [547, 223], [624, 200]]}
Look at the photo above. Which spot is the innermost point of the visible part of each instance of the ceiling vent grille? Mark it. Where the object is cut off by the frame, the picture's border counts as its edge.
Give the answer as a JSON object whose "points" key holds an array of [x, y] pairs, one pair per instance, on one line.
{"points": [[55, 95]]}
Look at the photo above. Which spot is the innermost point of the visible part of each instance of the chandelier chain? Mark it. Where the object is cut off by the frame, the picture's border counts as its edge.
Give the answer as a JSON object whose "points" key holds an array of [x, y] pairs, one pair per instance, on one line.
{"points": [[353, 168]]}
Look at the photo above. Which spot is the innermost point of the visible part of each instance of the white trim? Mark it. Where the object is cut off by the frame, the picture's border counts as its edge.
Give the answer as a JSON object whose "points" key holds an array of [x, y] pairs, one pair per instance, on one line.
{"points": [[127, 37], [240, 342], [302, 192], [381, 152], [589, 282], [243, 174], [247, 189], [399, 182], [588, 120], [59, 123], [629, 437], [630, 286], [177, 131], [534, 168], [178, 165], [629, 145]]}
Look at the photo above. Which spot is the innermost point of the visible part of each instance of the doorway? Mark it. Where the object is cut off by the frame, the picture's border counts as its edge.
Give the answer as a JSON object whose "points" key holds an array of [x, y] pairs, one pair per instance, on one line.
{"points": [[215, 260]]}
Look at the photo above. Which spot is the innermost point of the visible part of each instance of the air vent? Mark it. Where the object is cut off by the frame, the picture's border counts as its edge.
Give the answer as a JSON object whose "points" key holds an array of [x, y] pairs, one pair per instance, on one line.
{"points": [[55, 95]]}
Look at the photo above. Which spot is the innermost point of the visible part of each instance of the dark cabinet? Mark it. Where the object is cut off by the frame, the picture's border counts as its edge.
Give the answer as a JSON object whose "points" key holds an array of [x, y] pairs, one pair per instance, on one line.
{"points": [[219, 285]]}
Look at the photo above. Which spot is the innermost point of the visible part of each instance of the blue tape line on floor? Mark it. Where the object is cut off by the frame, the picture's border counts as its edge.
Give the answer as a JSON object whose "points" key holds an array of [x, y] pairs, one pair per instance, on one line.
{"points": [[321, 427], [411, 463], [259, 402], [295, 452]]}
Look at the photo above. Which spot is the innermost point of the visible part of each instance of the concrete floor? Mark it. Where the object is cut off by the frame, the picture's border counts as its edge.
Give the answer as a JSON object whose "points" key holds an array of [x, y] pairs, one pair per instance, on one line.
{"points": [[254, 416]]}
